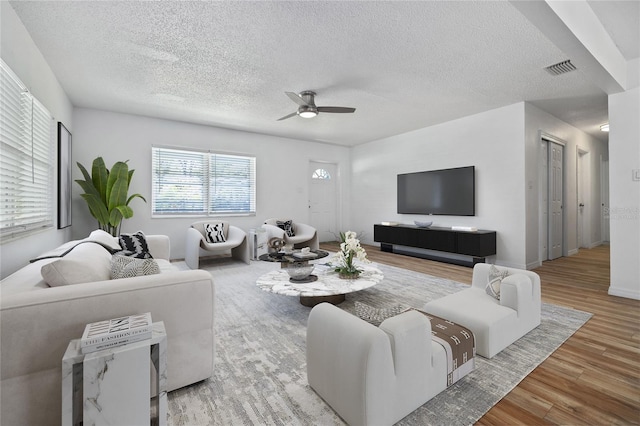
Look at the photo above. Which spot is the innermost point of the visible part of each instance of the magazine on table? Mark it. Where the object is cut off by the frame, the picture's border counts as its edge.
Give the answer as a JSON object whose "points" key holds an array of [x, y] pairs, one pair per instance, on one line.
{"points": [[116, 332]]}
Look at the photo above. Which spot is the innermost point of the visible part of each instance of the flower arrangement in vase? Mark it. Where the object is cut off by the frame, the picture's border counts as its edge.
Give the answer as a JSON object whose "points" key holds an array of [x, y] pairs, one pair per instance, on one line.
{"points": [[350, 251]]}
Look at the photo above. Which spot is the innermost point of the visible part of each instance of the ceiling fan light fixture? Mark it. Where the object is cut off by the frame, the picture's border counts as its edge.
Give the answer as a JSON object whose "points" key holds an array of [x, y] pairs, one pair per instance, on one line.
{"points": [[307, 107], [605, 127], [307, 111]]}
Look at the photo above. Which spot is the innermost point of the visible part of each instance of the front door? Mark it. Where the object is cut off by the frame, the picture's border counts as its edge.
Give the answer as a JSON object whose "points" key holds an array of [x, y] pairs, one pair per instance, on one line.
{"points": [[323, 199]]}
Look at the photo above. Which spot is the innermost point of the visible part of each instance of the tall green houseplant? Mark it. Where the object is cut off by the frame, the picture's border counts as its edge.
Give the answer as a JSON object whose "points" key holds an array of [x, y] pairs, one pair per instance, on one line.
{"points": [[105, 192]]}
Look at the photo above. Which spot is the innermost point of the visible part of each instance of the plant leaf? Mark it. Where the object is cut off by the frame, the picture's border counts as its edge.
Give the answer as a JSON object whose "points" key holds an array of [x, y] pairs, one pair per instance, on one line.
{"points": [[118, 185], [125, 211], [84, 171], [96, 207], [134, 196], [115, 217], [100, 176], [88, 188]]}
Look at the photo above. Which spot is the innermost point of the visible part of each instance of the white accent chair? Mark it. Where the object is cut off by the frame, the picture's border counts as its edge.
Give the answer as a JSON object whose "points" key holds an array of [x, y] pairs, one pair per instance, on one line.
{"points": [[495, 323], [306, 235], [236, 242], [373, 375]]}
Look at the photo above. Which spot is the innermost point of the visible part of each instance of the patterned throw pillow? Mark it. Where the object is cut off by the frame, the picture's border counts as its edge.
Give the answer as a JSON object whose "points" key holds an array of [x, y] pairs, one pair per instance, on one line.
{"points": [[134, 245], [376, 316], [287, 227], [127, 267], [214, 233], [495, 279]]}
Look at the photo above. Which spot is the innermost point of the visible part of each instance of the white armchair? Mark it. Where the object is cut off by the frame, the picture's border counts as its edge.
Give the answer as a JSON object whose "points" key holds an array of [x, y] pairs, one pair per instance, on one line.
{"points": [[371, 375], [235, 241], [305, 235], [495, 323]]}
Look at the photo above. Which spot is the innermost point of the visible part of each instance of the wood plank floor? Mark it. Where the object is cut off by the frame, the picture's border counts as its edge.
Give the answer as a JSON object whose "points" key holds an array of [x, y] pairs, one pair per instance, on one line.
{"points": [[594, 377]]}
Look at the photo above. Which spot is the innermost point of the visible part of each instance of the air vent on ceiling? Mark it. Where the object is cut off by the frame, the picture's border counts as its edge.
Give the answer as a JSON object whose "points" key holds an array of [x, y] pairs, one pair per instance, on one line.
{"points": [[561, 68]]}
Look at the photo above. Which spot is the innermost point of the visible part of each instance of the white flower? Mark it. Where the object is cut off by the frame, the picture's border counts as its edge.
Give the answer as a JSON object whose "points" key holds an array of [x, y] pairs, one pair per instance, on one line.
{"points": [[352, 244], [350, 250]]}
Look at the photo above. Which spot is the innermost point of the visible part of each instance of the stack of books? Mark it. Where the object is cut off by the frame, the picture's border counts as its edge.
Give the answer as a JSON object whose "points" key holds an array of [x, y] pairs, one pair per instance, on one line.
{"points": [[305, 255], [115, 332]]}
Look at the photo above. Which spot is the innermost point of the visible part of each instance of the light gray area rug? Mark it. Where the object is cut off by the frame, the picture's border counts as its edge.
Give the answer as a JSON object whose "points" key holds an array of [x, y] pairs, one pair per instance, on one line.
{"points": [[260, 366]]}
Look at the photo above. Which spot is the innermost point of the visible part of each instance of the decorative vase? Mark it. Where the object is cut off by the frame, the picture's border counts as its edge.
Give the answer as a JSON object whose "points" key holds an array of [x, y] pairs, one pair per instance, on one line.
{"points": [[349, 275]]}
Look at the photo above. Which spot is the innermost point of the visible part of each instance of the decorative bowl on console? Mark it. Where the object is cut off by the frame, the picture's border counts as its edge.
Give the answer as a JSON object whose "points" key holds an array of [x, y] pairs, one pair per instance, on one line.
{"points": [[422, 224]]}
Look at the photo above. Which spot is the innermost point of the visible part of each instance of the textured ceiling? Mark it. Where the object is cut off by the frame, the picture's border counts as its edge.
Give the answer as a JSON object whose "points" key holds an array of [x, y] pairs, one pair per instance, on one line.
{"points": [[402, 65]]}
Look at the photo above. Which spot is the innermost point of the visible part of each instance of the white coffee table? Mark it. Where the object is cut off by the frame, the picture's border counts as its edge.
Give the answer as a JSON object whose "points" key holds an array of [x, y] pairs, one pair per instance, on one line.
{"points": [[327, 288]]}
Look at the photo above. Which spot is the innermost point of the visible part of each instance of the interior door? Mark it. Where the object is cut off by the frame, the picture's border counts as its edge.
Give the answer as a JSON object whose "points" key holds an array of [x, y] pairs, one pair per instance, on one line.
{"points": [[323, 199], [544, 201], [583, 182], [556, 198], [604, 200]]}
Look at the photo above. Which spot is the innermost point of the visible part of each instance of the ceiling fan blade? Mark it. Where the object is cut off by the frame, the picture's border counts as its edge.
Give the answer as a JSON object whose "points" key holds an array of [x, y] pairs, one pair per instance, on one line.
{"points": [[293, 114], [335, 109], [296, 98]]}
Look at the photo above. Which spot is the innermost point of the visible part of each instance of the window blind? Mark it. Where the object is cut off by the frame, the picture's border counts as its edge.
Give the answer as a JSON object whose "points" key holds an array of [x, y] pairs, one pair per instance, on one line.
{"points": [[26, 159], [191, 182]]}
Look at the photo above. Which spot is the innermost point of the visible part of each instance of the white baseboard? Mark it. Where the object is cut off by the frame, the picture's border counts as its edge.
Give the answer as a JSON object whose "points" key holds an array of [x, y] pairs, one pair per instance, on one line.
{"points": [[573, 252], [624, 293], [534, 265]]}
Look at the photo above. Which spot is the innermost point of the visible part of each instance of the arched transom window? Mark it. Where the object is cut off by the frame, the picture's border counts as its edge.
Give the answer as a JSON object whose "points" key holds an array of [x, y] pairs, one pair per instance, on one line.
{"points": [[321, 174]]}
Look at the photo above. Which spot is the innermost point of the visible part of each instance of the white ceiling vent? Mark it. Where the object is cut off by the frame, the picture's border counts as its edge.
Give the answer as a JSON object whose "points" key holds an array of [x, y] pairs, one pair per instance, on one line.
{"points": [[561, 67]]}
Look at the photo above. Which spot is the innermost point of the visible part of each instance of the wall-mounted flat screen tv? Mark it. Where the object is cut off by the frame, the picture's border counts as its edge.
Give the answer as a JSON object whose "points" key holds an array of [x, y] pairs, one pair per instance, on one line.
{"points": [[442, 192]]}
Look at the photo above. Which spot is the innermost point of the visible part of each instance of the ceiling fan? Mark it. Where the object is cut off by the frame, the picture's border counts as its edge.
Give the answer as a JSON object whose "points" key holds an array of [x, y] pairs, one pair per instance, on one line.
{"points": [[308, 108]]}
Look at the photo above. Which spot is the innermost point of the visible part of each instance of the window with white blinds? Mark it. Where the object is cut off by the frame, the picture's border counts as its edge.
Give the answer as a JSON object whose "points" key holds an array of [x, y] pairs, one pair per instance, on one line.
{"points": [[202, 183], [26, 159]]}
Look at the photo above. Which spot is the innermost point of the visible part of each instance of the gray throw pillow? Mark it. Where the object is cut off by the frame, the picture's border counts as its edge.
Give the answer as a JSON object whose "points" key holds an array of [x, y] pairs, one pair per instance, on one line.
{"points": [[376, 316], [127, 267], [494, 280]]}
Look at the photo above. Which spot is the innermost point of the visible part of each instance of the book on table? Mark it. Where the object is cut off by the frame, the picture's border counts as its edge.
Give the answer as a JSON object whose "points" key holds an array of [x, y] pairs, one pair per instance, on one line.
{"points": [[307, 255], [116, 332]]}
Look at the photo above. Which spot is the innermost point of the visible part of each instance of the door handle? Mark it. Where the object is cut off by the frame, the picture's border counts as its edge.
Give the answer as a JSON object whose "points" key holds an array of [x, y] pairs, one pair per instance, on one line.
{"points": [[581, 205]]}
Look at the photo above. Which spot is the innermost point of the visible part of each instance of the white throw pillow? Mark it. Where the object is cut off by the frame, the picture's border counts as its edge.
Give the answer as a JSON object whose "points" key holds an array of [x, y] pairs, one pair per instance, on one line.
{"points": [[104, 238], [87, 262]]}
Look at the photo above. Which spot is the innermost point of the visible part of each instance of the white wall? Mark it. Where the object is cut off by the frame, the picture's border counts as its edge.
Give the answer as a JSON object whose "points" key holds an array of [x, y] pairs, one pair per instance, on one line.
{"points": [[19, 51], [282, 168], [490, 141], [624, 158], [537, 120]]}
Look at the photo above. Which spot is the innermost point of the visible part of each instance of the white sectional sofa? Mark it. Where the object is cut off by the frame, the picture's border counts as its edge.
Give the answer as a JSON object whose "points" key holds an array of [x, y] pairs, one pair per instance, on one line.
{"points": [[37, 322]]}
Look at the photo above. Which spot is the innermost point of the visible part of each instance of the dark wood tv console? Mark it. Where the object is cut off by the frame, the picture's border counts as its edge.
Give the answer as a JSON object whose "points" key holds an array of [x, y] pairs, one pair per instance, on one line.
{"points": [[477, 244]]}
